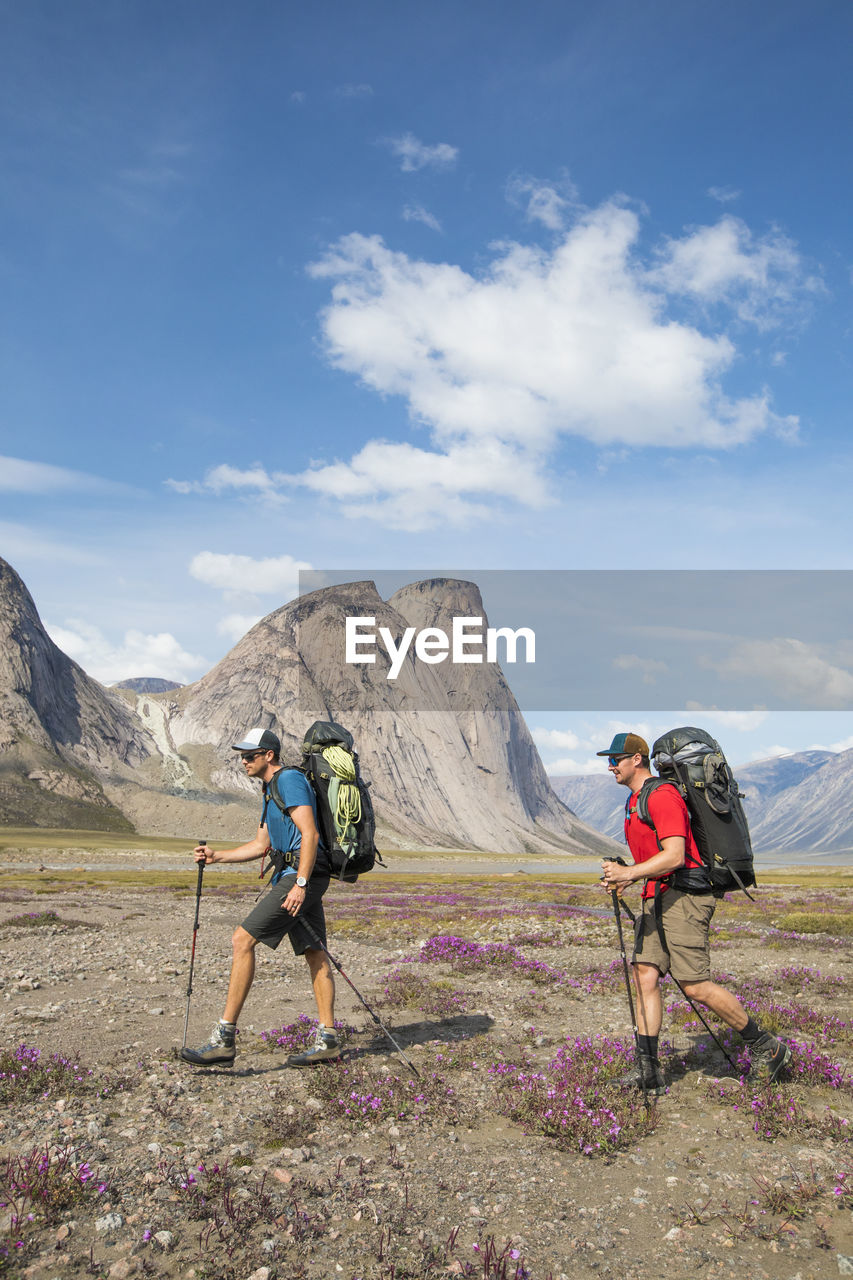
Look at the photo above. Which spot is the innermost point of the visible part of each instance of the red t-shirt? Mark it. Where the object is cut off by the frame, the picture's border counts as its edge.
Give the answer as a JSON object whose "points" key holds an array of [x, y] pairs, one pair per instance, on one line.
{"points": [[669, 813]]}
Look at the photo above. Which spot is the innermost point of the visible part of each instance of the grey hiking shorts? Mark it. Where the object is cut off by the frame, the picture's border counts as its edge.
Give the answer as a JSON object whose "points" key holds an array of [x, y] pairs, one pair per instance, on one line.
{"points": [[685, 921], [268, 922]]}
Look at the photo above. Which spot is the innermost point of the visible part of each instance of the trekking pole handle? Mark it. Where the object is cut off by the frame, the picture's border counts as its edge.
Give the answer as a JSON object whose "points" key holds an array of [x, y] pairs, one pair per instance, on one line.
{"points": [[201, 867]]}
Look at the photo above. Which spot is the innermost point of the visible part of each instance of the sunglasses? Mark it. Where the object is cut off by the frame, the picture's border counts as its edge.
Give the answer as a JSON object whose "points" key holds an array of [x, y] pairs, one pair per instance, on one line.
{"points": [[251, 755], [614, 760]]}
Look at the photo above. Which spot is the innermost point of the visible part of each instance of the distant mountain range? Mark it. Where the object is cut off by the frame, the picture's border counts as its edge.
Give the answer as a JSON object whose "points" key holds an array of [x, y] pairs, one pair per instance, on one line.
{"points": [[448, 754], [800, 802], [146, 684]]}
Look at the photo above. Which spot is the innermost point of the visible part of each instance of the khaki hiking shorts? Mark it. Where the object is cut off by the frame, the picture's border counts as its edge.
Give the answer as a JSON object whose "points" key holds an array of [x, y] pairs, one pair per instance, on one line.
{"points": [[685, 950]]}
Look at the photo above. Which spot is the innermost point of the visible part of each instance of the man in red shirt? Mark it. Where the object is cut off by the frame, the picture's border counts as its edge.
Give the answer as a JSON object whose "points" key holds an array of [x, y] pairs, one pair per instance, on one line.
{"points": [[678, 904]]}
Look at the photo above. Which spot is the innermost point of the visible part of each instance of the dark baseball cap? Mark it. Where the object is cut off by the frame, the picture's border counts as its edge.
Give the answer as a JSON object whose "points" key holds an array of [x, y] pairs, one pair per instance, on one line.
{"points": [[626, 744], [259, 740]]}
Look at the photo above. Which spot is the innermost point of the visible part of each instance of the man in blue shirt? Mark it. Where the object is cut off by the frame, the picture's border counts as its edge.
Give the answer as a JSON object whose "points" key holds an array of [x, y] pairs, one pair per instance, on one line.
{"points": [[296, 893]]}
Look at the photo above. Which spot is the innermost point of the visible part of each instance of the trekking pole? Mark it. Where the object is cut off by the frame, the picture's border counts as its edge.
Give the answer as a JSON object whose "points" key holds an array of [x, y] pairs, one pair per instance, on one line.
{"points": [[615, 899], [632, 918], [320, 943], [201, 866]]}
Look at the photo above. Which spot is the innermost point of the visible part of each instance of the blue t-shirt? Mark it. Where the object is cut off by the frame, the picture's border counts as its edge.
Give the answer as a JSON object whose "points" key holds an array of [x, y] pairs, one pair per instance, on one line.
{"points": [[294, 789]]}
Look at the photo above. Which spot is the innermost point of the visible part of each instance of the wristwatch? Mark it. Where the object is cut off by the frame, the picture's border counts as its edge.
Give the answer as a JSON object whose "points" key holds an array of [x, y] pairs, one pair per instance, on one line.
{"points": [[301, 882]]}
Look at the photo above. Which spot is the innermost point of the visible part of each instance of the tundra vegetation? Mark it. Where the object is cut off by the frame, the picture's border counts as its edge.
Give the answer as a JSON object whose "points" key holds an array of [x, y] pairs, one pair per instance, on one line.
{"points": [[516, 1153]]}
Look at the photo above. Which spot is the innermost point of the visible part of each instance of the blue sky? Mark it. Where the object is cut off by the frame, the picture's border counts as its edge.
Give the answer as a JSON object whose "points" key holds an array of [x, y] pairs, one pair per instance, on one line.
{"points": [[561, 287]]}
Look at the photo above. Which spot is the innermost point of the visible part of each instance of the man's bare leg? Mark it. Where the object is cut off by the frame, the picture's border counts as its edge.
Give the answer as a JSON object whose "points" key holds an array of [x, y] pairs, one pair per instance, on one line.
{"points": [[323, 982], [242, 973], [649, 1005]]}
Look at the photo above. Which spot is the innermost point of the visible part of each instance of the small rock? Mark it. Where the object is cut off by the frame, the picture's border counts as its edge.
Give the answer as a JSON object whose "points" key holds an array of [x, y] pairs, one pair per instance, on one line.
{"points": [[262, 1273], [845, 1264], [282, 1175], [165, 1239], [123, 1268], [108, 1223], [673, 1234], [157, 1012]]}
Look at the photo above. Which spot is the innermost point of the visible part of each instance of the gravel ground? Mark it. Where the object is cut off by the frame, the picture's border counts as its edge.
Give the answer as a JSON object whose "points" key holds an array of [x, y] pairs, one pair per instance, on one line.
{"points": [[258, 1173]]}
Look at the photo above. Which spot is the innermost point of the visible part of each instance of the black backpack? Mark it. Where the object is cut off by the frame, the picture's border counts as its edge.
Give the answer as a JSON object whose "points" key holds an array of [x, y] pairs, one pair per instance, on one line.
{"points": [[345, 815], [693, 761]]}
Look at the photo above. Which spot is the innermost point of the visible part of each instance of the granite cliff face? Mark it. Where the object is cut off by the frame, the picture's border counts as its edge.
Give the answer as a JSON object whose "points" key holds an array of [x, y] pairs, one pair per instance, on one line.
{"points": [[61, 733]]}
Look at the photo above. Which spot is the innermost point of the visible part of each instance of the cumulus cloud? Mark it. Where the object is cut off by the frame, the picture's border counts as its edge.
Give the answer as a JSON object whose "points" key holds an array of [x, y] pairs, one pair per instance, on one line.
{"points": [[414, 154], [417, 213], [255, 480], [137, 654], [759, 277], [545, 202], [796, 669], [235, 625], [275, 575], [724, 195], [585, 339]]}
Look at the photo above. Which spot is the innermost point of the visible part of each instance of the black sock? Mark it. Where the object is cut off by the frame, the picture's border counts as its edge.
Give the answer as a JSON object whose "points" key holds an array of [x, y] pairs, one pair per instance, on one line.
{"points": [[751, 1032], [648, 1045]]}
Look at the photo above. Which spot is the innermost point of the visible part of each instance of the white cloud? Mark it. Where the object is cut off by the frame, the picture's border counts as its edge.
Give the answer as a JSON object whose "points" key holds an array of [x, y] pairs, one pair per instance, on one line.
{"points": [[410, 488], [217, 480], [556, 739], [760, 277], [793, 667], [545, 202], [275, 575], [235, 625], [417, 213], [414, 154], [725, 195], [498, 369], [650, 668], [18, 475], [572, 341], [137, 654]]}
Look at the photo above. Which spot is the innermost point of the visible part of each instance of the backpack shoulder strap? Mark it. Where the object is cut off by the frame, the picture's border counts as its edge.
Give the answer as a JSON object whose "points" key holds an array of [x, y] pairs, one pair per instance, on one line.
{"points": [[650, 785], [271, 791]]}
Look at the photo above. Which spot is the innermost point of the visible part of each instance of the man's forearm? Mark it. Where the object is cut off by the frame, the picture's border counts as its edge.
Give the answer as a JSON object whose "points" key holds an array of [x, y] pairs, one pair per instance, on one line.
{"points": [[243, 853], [307, 854]]}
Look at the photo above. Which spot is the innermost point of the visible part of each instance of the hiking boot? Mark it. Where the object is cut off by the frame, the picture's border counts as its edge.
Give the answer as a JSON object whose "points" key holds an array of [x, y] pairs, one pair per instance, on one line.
{"points": [[648, 1072], [768, 1058], [327, 1046], [220, 1051]]}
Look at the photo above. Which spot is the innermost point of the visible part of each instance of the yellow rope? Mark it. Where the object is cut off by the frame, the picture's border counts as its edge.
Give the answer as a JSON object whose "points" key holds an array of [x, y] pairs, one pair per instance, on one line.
{"points": [[348, 804]]}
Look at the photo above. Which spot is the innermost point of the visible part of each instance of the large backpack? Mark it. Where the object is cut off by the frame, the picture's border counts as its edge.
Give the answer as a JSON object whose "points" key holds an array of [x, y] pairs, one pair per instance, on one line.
{"points": [[345, 815], [694, 762]]}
